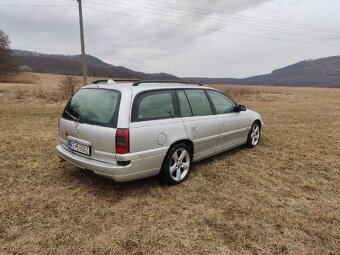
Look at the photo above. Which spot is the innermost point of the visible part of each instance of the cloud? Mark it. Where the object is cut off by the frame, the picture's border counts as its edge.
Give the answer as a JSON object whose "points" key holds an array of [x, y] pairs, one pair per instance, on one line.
{"points": [[119, 33], [160, 30], [177, 37]]}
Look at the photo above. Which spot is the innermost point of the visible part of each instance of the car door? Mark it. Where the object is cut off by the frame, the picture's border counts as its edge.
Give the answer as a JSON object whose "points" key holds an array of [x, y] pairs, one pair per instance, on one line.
{"points": [[234, 125], [155, 125], [201, 124]]}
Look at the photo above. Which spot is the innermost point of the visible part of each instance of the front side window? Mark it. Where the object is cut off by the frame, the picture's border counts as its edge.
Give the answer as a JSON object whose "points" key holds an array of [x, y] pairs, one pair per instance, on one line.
{"points": [[155, 105], [199, 102], [94, 106], [222, 103]]}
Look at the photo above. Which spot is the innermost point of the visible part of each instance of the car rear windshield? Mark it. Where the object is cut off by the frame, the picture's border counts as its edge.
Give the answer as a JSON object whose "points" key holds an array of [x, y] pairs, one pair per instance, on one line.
{"points": [[94, 106]]}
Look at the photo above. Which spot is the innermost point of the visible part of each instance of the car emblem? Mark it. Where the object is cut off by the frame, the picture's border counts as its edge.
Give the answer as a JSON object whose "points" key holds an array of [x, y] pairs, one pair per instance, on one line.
{"points": [[76, 127]]}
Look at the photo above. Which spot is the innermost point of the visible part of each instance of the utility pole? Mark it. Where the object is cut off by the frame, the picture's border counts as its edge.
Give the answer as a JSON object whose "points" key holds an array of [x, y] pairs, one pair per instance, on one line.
{"points": [[83, 56]]}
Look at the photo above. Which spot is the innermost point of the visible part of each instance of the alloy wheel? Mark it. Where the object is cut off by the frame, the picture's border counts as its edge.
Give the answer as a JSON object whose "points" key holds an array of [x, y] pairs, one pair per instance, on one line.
{"points": [[255, 134], [179, 164]]}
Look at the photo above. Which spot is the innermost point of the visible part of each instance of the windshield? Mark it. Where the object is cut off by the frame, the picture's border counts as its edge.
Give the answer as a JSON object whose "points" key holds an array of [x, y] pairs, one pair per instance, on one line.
{"points": [[94, 106]]}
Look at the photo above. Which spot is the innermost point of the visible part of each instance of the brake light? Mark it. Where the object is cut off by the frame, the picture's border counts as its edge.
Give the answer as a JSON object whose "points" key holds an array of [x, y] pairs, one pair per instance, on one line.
{"points": [[122, 141]]}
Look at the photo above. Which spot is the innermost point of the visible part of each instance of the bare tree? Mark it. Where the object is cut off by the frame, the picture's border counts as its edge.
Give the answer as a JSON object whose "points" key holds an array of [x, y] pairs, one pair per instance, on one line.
{"points": [[4, 40], [7, 63], [67, 86]]}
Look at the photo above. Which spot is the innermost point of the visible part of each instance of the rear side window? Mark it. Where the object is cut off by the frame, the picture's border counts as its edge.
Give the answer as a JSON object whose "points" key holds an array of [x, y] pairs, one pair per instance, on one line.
{"points": [[222, 103], [155, 105], [199, 102], [94, 106], [184, 104]]}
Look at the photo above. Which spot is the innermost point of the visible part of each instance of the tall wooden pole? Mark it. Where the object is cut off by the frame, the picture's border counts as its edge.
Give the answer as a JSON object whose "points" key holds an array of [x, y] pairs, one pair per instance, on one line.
{"points": [[83, 56]]}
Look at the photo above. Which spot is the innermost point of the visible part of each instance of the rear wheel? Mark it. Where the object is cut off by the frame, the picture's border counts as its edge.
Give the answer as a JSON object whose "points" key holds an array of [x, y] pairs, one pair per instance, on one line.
{"points": [[176, 164], [254, 135]]}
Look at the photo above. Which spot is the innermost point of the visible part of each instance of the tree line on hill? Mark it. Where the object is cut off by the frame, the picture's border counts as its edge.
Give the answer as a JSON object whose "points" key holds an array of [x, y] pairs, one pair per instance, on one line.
{"points": [[323, 72], [13, 61], [71, 65]]}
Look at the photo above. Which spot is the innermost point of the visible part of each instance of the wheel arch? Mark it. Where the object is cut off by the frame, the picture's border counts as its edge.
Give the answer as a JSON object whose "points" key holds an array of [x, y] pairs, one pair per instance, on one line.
{"points": [[164, 175], [258, 121], [187, 142]]}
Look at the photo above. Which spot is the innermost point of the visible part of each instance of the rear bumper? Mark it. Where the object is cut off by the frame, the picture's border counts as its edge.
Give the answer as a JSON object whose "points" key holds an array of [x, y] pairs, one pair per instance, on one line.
{"points": [[137, 169]]}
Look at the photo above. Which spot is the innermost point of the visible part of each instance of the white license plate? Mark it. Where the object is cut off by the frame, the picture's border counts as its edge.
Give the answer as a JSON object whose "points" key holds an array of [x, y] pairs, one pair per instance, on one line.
{"points": [[81, 148]]}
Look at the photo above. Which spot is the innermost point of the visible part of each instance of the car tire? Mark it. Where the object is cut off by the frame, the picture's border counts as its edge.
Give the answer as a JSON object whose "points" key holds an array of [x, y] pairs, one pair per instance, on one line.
{"points": [[254, 135], [176, 164]]}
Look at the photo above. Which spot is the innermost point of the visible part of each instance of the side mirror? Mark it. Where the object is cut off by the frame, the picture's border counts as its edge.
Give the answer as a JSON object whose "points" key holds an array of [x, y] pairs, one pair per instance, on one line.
{"points": [[240, 108]]}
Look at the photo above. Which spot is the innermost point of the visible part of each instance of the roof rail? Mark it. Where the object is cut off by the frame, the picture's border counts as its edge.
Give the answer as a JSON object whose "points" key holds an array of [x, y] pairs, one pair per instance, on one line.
{"points": [[137, 83], [114, 80], [126, 79], [101, 81]]}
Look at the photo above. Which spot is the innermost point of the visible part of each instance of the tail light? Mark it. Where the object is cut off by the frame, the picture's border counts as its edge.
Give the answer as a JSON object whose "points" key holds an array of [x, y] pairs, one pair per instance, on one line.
{"points": [[122, 141]]}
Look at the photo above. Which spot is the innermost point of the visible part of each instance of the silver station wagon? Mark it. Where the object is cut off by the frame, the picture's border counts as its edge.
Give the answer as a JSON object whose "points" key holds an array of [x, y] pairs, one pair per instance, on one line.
{"points": [[132, 130]]}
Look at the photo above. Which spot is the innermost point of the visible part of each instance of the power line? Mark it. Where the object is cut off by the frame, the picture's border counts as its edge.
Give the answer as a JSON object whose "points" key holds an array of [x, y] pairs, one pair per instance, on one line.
{"points": [[181, 7], [246, 26], [207, 29], [36, 5], [231, 18], [170, 22], [209, 11], [272, 22]]}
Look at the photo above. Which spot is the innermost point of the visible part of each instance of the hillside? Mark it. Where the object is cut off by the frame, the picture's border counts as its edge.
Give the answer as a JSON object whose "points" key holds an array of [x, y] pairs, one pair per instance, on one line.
{"points": [[319, 72], [323, 72], [71, 64]]}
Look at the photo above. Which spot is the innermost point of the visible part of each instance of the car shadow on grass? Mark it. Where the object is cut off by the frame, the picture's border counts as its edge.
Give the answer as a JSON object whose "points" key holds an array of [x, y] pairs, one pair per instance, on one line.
{"points": [[105, 188], [100, 186]]}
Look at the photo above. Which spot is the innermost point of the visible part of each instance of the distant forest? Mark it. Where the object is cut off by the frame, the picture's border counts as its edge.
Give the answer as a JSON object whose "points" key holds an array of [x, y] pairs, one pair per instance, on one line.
{"points": [[71, 65]]}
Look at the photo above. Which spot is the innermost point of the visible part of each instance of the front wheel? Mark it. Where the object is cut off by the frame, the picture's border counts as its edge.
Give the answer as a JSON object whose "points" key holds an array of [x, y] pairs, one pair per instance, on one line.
{"points": [[176, 164], [254, 135]]}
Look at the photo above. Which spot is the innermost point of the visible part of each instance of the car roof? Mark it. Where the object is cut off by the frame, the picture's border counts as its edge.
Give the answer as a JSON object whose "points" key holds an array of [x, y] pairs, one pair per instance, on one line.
{"points": [[144, 86]]}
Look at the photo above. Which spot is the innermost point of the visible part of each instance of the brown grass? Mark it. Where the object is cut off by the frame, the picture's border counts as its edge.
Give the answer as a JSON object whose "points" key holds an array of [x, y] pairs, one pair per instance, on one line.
{"points": [[283, 197], [24, 78]]}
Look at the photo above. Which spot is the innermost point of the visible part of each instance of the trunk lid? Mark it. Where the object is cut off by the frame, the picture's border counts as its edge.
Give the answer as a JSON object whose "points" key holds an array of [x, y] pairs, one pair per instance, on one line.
{"points": [[89, 123]]}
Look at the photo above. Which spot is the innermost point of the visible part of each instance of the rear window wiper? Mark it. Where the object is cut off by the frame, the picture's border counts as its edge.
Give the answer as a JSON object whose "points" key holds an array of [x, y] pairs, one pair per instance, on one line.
{"points": [[71, 116], [76, 119]]}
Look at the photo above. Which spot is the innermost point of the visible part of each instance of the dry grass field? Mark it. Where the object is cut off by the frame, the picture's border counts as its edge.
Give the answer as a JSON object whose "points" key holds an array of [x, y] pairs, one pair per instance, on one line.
{"points": [[283, 197]]}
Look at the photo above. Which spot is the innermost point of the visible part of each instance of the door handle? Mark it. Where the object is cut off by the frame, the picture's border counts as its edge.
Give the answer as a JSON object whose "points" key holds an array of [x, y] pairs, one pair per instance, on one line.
{"points": [[224, 123], [194, 128]]}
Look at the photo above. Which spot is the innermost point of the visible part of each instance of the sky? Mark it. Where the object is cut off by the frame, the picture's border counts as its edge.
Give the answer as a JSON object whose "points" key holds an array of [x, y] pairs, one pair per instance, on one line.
{"points": [[187, 38]]}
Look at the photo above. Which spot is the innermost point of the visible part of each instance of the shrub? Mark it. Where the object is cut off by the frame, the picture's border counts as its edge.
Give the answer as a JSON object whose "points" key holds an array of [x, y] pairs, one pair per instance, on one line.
{"points": [[19, 93], [42, 94], [67, 86]]}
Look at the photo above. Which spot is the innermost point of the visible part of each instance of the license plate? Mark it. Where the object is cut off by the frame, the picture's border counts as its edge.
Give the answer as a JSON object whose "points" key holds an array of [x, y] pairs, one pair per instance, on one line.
{"points": [[81, 148]]}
